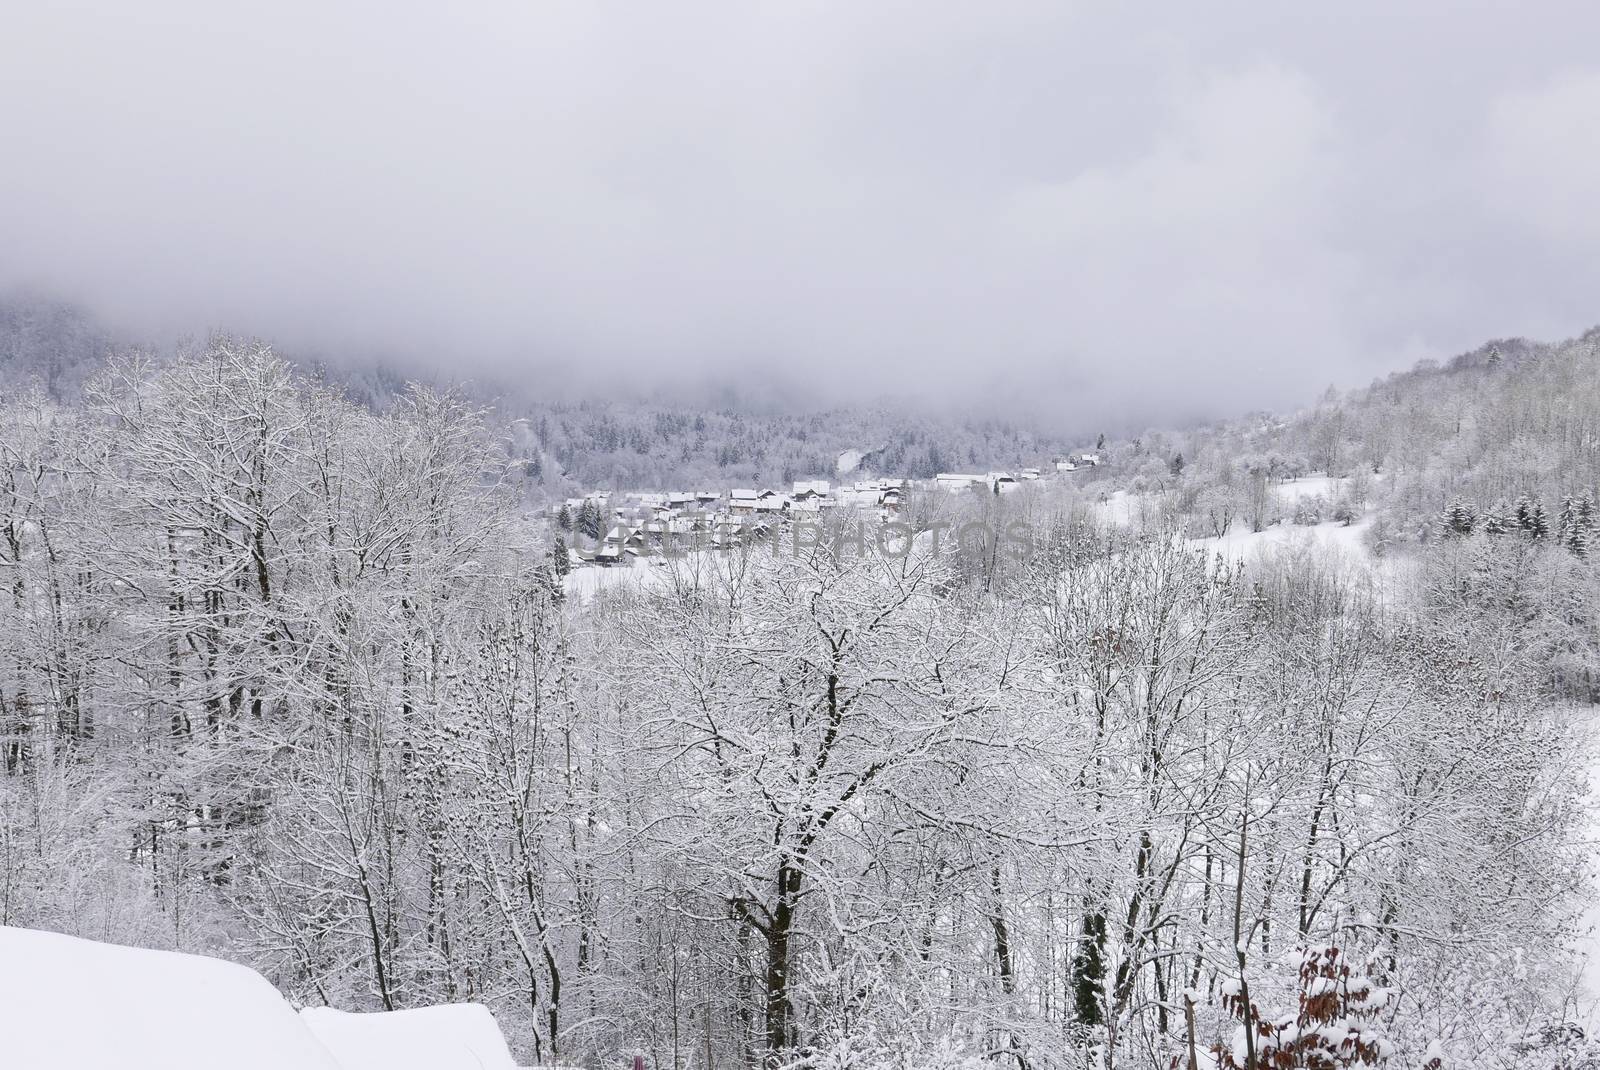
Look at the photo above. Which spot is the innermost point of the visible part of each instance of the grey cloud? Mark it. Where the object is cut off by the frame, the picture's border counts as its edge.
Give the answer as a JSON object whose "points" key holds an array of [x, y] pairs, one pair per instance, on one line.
{"points": [[1077, 210]]}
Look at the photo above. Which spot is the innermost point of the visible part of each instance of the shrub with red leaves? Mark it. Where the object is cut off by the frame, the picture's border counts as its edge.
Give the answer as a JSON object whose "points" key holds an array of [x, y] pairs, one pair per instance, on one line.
{"points": [[1336, 1025]]}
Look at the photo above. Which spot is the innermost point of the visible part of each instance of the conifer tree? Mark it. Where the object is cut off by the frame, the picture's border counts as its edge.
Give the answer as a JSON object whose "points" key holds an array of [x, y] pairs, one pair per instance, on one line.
{"points": [[589, 519], [1538, 523], [1531, 518], [1576, 524], [1089, 973], [560, 564], [1460, 517]]}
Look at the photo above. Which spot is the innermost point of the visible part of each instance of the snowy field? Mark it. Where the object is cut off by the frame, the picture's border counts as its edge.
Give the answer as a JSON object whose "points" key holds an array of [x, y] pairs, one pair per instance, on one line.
{"points": [[1346, 542]]}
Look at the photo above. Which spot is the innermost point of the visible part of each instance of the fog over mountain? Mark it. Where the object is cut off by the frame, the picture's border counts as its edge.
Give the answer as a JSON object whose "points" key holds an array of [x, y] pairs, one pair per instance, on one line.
{"points": [[1093, 213]]}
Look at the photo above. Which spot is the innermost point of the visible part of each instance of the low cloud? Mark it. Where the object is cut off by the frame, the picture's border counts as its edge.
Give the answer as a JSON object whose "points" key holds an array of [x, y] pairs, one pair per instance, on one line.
{"points": [[1089, 215]]}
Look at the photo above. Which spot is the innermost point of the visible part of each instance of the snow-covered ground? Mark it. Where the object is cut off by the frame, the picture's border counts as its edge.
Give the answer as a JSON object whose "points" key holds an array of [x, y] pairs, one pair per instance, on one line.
{"points": [[461, 1036], [582, 584], [1242, 544], [72, 1004], [586, 581], [79, 1005], [1293, 490]]}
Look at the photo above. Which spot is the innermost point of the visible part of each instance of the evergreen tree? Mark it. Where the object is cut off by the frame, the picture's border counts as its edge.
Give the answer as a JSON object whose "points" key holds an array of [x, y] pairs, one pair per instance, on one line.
{"points": [[1460, 517], [1576, 524], [1177, 465], [560, 563], [1089, 973], [1538, 523], [564, 517], [1531, 518], [589, 519]]}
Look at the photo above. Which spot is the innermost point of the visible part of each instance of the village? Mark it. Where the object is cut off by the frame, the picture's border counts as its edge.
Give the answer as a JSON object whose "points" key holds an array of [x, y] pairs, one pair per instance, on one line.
{"points": [[609, 529]]}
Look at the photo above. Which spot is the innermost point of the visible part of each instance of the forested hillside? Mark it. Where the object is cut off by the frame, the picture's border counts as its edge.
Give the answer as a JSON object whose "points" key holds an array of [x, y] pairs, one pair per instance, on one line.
{"points": [[647, 446], [567, 447], [1484, 471], [1508, 422], [287, 678], [52, 343]]}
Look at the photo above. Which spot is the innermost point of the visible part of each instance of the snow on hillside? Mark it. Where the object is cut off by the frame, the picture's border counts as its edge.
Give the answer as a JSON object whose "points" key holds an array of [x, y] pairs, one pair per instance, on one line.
{"points": [[1292, 490], [849, 461], [1243, 545], [460, 1036], [72, 1004], [75, 1004]]}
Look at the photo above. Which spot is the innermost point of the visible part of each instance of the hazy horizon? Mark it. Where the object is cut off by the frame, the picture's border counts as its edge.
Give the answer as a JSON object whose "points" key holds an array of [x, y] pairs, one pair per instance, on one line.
{"points": [[1068, 215]]}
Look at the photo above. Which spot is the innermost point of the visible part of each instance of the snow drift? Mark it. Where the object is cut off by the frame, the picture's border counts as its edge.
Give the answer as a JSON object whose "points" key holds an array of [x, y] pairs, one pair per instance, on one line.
{"points": [[71, 1004], [461, 1036]]}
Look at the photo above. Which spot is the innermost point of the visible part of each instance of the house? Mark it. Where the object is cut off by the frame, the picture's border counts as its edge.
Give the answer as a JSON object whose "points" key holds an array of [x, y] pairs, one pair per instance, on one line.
{"points": [[742, 500], [621, 540], [1002, 482], [1028, 473], [956, 482], [863, 492], [1067, 465], [692, 524], [725, 536], [805, 490]]}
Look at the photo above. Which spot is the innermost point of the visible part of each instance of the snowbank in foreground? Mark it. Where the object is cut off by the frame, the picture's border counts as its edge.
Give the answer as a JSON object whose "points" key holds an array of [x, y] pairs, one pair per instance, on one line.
{"points": [[71, 1004], [461, 1036]]}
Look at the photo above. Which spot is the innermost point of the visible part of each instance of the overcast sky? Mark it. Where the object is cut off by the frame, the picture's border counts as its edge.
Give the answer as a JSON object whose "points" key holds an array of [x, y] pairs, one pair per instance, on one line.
{"points": [[1077, 209]]}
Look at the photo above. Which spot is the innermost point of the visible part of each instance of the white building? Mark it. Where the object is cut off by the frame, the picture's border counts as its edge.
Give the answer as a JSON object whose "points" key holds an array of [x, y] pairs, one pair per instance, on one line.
{"points": [[1003, 482], [956, 482]]}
